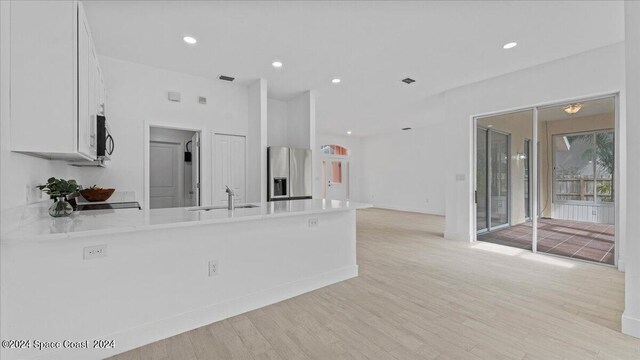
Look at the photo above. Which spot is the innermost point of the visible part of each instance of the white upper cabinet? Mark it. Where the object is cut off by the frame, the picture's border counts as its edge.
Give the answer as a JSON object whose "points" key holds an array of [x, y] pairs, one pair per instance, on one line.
{"points": [[57, 87]]}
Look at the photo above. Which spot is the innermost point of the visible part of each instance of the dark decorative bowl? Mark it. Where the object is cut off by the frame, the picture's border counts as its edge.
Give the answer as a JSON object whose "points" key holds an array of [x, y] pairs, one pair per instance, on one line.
{"points": [[93, 195]]}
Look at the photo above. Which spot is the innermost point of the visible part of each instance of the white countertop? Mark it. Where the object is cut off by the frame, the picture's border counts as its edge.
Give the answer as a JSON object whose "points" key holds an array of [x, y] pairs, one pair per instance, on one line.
{"points": [[36, 224]]}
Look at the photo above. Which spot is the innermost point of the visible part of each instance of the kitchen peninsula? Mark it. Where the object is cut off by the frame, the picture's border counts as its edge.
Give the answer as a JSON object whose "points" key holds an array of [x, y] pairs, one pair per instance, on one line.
{"points": [[167, 270]]}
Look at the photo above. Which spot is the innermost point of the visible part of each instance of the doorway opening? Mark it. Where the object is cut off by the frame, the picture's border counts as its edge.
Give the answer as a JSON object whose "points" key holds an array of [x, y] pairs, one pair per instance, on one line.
{"points": [[335, 172], [174, 168], [575, 185]]}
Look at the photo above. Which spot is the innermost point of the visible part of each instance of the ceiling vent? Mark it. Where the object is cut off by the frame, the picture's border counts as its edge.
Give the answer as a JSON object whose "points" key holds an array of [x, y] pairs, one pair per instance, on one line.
{"points": [[226, 78], [408, 81], [405, 129]]}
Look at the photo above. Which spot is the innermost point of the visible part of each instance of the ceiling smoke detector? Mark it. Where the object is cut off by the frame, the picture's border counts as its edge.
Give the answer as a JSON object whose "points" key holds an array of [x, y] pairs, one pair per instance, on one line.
{"points": [[572, 108], [408, 81], [226, 78]]}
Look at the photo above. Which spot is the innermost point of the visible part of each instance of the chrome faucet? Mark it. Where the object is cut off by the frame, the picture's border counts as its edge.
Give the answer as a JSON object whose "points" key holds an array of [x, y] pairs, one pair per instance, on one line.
{"points": [[230, 198]]}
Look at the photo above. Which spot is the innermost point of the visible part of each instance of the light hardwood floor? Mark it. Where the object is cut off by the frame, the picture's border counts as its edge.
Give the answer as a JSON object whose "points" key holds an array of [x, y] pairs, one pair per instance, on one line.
{"points": [[419, 296]]}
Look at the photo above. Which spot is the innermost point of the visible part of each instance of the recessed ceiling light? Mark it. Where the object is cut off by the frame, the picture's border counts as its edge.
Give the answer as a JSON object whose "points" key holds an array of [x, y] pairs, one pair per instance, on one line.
{"points": [[408, 81], [277, 64], [349, 132], [189, 40], [510, 45], [336, 81], [407, 128]]}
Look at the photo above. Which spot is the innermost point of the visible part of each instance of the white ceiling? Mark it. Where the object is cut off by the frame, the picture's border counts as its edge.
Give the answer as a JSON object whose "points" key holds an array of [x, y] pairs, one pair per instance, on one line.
{"points": [[371, 46]]}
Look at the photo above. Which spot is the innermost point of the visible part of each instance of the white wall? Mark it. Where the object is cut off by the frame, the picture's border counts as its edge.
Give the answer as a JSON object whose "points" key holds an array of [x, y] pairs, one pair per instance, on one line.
{"points": [[277, 123], [19, 174], [137, 97], [631, 316], [405, 170], [298, 124]]}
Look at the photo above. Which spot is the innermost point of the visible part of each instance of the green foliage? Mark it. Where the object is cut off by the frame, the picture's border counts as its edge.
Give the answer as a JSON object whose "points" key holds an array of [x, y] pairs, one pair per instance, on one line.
{"points": [[59, 187]]}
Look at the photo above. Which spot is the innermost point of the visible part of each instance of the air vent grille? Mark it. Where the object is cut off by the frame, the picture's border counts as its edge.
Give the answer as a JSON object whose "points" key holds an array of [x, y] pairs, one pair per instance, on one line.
{"points": [[226, 78]]}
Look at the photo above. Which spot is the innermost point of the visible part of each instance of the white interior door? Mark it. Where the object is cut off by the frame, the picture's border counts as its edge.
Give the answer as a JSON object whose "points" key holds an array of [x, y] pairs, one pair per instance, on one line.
{"points": [[336, 179], [229, 168], [164, 176], [195, 169]]}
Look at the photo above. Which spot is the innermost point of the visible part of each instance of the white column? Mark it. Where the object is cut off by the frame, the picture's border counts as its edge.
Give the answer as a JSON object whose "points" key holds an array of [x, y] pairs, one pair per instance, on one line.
{"points": [[631, 316], [257, 142]]}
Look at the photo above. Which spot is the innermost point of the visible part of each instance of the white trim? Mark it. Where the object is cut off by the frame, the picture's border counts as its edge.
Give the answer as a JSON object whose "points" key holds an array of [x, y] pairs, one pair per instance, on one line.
{"points": [[408, 209], [167, 327], [630, 325]]}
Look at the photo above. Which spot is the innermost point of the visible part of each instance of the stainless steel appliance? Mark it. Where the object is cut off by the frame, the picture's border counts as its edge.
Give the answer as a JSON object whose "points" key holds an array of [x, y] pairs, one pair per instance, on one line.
{"points": [[105, 145], [289, 173]]}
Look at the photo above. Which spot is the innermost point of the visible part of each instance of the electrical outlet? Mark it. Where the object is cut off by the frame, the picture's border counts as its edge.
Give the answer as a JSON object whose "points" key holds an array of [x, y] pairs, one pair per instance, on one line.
{"points": [[214, 269], [313, 222], [97, 251]]}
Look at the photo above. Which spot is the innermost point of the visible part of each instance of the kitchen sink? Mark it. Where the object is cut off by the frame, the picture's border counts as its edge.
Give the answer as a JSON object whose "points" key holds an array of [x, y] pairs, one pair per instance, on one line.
{"points": [[220, 207]]}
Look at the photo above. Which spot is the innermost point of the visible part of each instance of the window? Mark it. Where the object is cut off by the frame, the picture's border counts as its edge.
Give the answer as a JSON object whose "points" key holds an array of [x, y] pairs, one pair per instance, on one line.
{"points": [[584, 167], [334, 150]]}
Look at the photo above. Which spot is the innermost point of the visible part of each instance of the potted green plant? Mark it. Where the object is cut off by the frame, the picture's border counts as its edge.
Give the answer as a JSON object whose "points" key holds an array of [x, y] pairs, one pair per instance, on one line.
{"points": [[60, 190]]}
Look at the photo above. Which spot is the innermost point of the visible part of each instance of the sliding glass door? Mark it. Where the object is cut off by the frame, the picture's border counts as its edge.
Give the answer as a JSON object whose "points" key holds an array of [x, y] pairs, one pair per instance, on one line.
{"points": [[546, 179], [499, 172], [492, 164]]}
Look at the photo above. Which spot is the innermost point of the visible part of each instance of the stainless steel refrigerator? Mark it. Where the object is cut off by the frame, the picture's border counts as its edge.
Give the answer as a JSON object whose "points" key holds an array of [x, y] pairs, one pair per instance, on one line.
{"points": [[289, 173]]}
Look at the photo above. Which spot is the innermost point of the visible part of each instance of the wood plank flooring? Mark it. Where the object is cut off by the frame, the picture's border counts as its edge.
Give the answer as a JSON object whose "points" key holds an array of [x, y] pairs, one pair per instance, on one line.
{"points": [[419, 296]]}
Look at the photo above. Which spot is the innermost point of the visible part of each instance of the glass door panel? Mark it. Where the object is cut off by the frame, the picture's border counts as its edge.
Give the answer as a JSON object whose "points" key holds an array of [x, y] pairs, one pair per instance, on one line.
{"points": [[499, 172], [481, 181]]}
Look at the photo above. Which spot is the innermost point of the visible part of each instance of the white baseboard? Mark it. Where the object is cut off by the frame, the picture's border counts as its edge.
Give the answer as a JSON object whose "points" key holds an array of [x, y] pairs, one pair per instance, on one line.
{"points": [[163, 328], [630, 325], [621, 264], [408, 209]]}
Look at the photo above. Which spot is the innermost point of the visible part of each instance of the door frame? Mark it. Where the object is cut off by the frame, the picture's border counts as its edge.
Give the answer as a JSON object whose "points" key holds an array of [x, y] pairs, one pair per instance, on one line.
{"points": [[146, 150], [619, 151], [213, 166]]}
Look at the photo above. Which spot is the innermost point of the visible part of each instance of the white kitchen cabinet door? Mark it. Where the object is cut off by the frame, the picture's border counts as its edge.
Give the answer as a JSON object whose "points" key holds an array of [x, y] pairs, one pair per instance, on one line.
{"points": [[87, 85], [229, 168]]}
